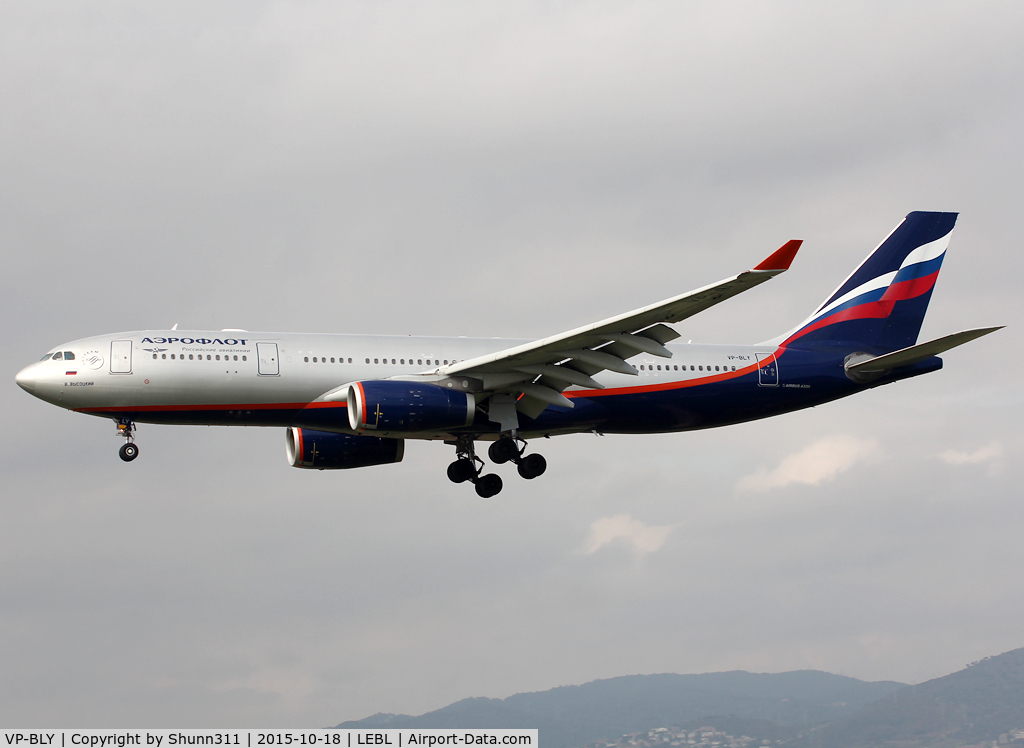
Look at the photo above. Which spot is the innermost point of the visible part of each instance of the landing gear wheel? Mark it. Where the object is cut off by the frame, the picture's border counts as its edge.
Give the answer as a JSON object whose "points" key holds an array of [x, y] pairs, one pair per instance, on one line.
{"points": [[532, 466], [128, 452], [502, 451], [488, 486], [461, 471]]}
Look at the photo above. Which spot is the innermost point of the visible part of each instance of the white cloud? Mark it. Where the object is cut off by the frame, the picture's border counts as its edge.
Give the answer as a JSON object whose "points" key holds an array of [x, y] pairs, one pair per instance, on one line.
{"points": [[991, 451], [821, 461], [644, 538]]}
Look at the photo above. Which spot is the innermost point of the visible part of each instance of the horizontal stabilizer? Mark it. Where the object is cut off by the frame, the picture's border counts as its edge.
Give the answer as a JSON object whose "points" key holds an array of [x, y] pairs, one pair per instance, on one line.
{"points": [[915, 353]]}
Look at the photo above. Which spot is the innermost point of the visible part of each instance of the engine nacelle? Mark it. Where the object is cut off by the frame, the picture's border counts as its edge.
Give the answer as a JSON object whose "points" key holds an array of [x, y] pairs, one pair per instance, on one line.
{"points": [[322, 450], [407, 407]]}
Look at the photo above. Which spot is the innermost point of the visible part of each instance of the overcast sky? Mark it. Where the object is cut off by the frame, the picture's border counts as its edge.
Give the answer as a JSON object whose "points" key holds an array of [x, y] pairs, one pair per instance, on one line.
{"points": [[513, 169]]}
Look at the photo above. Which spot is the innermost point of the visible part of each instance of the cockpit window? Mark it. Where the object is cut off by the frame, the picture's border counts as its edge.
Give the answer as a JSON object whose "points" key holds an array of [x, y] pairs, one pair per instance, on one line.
{"points": [[69, 356], [47, 357], [57, 356]]}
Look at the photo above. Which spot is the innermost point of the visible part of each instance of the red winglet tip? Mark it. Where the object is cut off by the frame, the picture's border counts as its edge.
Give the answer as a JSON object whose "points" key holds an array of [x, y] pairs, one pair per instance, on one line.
{"points": [[781, 258]]}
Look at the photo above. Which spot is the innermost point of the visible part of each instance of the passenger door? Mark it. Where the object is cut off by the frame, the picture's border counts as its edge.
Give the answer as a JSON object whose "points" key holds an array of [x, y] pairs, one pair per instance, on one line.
{"points": [[767, 370], [266, 355], [121, 357]]}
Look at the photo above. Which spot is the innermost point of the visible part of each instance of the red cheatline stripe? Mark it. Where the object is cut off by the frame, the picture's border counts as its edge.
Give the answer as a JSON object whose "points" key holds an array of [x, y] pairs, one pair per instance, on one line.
{"points": [[882, 308], [869, 310], [668, 385]]}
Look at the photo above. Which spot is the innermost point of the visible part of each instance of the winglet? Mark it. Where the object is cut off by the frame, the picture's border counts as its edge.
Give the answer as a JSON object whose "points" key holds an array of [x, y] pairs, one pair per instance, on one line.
{"points": [[781, 258]]}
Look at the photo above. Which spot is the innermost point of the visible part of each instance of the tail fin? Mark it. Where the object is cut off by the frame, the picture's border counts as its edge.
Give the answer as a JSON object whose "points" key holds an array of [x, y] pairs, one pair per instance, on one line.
{"points": [[882, 304]]}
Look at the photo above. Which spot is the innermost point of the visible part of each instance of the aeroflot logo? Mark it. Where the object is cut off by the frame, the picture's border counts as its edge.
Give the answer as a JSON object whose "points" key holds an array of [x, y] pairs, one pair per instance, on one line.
{"points": [[195, 341]]}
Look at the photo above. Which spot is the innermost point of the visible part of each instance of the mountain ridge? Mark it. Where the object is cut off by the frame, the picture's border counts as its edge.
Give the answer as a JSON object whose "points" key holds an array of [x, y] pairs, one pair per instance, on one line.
{"points": [[578, 714]]}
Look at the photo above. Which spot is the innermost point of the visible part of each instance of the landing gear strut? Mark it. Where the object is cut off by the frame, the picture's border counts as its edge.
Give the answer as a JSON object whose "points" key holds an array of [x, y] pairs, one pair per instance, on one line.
{"points": [[129, 450], [468, 467]]}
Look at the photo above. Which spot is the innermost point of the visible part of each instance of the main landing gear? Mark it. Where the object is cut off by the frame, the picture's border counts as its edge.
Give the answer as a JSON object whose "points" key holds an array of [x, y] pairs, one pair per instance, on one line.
{"points": [[129, 450], [468, 467], [507, 449]]}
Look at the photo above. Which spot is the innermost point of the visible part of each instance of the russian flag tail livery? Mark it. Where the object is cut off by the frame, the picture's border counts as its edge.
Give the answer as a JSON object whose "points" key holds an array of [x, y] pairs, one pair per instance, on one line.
{"points": [[882, 304]]}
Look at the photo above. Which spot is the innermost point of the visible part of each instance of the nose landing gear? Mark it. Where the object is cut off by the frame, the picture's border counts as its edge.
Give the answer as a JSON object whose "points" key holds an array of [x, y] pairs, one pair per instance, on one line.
{"points": [[129, 450]]}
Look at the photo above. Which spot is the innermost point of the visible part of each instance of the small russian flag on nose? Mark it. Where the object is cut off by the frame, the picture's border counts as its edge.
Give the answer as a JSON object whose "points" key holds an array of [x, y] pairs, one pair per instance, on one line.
{"points": [[70, 373]]}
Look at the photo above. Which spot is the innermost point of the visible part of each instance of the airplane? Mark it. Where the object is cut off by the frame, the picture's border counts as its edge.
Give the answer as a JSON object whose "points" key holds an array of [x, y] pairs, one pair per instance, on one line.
{"points": [[351, 401]]}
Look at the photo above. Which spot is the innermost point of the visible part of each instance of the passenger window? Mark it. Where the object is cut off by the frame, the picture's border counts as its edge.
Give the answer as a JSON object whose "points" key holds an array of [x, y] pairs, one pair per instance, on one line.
{"points": [[218, 357], [375, 361], [716, 368], [154, 356], [367, 360], [190, 357], [401, 360], [58, 356], [350, 361], [700, 368], [208, 357], [659, 367], [306, 359], [163, 356], [243, 358], [236, 358], [332, 359]]}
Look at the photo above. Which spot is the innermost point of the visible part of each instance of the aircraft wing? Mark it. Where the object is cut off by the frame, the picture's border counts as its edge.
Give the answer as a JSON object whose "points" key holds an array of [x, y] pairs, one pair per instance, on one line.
{"points": [[542, 369]]}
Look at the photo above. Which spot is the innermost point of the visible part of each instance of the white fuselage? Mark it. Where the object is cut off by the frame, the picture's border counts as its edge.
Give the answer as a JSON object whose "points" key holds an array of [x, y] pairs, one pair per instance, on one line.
{"points": [[178, 376]]}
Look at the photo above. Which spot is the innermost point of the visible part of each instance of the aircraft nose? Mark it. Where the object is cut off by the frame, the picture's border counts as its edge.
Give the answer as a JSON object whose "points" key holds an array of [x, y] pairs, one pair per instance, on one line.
{"points": [[26, 379]]}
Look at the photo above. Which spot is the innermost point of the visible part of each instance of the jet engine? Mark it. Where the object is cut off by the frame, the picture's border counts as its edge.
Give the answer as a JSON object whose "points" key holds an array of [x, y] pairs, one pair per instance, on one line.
{"points": [[407, 407], [322, 450]]}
